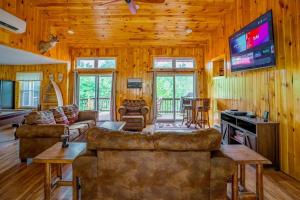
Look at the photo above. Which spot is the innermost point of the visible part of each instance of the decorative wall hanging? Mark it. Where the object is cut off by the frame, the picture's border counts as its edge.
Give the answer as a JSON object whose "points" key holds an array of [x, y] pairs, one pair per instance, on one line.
{"points": [[45, 46], [51, 77], [60, 77], [134, 83]]}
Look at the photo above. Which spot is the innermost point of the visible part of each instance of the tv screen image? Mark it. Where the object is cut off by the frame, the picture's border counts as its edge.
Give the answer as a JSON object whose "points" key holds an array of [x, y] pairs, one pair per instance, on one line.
{"points": [[253, 46]]}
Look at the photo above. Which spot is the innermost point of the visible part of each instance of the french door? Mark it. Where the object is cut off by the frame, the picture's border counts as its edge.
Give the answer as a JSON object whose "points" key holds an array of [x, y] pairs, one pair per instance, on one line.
{"points": [[95, 93], [170, 88]]}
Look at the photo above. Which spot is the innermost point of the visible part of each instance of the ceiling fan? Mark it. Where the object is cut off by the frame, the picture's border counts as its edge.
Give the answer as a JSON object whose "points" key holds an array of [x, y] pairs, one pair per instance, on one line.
{"points": [[132, 6]]}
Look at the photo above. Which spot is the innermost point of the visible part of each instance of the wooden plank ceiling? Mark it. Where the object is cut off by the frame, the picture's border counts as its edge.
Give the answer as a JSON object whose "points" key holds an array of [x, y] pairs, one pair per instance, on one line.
{"points": [[163, 24]]}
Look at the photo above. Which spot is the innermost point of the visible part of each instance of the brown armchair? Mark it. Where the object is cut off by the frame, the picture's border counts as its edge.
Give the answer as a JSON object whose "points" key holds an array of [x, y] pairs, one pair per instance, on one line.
{"points": [[126, 165], [134, 113]]}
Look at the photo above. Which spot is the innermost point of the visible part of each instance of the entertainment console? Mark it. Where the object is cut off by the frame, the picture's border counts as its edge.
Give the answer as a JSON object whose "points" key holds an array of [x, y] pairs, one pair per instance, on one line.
{"points": [[254, 133]]}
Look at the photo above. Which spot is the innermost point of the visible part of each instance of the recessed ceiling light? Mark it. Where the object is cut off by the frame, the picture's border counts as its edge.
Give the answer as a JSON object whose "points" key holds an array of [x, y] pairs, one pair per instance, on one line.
{"points": [[70, 32], [188, 31]]}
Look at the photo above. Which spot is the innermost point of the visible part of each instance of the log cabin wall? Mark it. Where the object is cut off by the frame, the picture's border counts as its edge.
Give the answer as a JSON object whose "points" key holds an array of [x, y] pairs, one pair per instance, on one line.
{"points": [[275, 89], [136, 62], [8, 72], [37, 29]]}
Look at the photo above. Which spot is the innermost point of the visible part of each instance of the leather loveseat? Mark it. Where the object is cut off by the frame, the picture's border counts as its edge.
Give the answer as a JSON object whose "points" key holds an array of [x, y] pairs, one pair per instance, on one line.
{"points": [[169, 166], [34, 139]]}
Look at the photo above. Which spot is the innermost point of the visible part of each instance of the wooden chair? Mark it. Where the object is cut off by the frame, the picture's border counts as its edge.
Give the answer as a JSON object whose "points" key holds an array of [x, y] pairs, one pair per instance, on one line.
{"points": [[203, 110], [186, 109]]}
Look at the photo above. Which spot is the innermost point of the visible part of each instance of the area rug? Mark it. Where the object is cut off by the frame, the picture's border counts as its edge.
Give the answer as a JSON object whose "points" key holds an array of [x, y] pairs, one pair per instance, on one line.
{"points": [[173, 126]]}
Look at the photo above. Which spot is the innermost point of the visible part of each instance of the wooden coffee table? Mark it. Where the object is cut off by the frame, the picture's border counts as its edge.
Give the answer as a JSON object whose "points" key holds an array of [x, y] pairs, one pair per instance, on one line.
{"points": [[56, 155], [242, 155], [116, 126]]}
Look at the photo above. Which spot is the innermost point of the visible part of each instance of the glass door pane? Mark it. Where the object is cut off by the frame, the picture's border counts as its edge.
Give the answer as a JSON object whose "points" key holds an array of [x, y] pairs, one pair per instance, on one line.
{"points": [[184, 86], [165, 97], [87, 92], [104, 99]]}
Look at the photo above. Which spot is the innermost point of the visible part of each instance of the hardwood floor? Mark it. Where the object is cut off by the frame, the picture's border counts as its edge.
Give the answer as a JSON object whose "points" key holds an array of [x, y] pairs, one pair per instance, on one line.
{"points": [[25, 181], [21, 180]]}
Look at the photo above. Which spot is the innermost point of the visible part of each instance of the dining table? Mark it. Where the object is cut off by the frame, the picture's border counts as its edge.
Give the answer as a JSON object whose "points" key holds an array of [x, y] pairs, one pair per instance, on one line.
{"points": [[193, 120]]}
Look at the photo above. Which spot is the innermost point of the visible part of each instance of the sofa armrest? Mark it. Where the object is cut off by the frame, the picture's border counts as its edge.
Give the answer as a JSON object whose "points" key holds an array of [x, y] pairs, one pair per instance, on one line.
{"points": [[222, 168], [122, 110], [145, 110], [85, 165], [42, 131], [87, 115]]}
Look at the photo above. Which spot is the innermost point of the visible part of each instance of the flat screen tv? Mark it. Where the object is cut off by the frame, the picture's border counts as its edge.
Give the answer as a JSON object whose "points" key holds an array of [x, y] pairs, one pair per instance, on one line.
{"points": [[252, 47]]}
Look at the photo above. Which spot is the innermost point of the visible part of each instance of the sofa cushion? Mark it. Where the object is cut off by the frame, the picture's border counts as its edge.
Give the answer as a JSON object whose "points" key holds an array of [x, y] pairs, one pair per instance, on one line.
{"points": [[133, 118], [134, 105], [98, 138], [81, 127], [202, 140], [40, 117], [136, 109], [59, 116], [73, 134], [72, 112], [90, 123]]}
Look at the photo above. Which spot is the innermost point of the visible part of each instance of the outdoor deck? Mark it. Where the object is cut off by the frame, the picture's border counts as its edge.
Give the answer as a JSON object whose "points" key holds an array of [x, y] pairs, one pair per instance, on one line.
{"points": [[165, 108], [104, 116]]}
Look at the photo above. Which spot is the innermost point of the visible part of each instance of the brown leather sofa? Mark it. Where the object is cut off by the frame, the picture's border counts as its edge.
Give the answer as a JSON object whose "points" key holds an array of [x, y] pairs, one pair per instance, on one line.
{"points": [[134, 113], [169, 166], [34, 139]]}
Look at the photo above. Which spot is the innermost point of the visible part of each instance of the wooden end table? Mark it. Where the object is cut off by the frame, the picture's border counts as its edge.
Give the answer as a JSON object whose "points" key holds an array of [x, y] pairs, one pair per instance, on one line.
{"points": [[242, 155], [56, 155]]}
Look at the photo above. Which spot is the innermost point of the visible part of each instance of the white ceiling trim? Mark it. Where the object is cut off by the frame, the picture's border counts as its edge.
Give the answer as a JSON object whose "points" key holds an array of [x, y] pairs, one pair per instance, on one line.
{"points": [[11, 56]]}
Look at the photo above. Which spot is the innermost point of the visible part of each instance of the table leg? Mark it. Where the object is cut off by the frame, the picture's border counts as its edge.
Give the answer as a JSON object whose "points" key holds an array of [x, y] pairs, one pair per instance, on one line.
{"points": [[201, 120], [74, 184], [234, 184], [47, 184], [259, 182], [59, 171], [194, 112], [242, 177]]}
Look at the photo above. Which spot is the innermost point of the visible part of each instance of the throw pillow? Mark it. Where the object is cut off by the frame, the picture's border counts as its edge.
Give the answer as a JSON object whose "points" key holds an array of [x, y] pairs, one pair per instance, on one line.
{"points": [[72, 112], [40, 117], [59, 116]]}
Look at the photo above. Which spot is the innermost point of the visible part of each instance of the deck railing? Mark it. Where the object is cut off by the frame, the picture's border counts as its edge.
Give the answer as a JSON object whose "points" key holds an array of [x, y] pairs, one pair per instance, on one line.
{"points": [[166, 106], [89, 104]]}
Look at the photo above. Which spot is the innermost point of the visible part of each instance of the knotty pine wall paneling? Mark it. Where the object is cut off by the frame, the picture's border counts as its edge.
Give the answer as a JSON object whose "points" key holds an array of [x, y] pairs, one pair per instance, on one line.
{"points": [[8, 72], [275, 89], [136, 62], [37, 29]]}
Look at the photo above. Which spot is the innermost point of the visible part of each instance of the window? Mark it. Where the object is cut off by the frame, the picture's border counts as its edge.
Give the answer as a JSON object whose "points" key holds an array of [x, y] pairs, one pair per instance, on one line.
{"points": [[107, 63], [163, 63], [185, 63], [175, 63], [85, 64], [29, 93], [30, 84], [98, 63]]}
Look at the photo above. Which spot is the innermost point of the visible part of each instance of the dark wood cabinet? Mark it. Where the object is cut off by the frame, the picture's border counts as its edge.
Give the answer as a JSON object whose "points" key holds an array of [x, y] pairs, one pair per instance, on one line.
{"points": [[7, 94], [254, 133], [250, 141]]}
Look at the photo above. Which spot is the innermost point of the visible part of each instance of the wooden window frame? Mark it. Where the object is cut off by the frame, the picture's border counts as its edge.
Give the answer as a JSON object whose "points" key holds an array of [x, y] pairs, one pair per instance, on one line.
{"points": [[30, 94], [96, 59], [174, 59]]}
